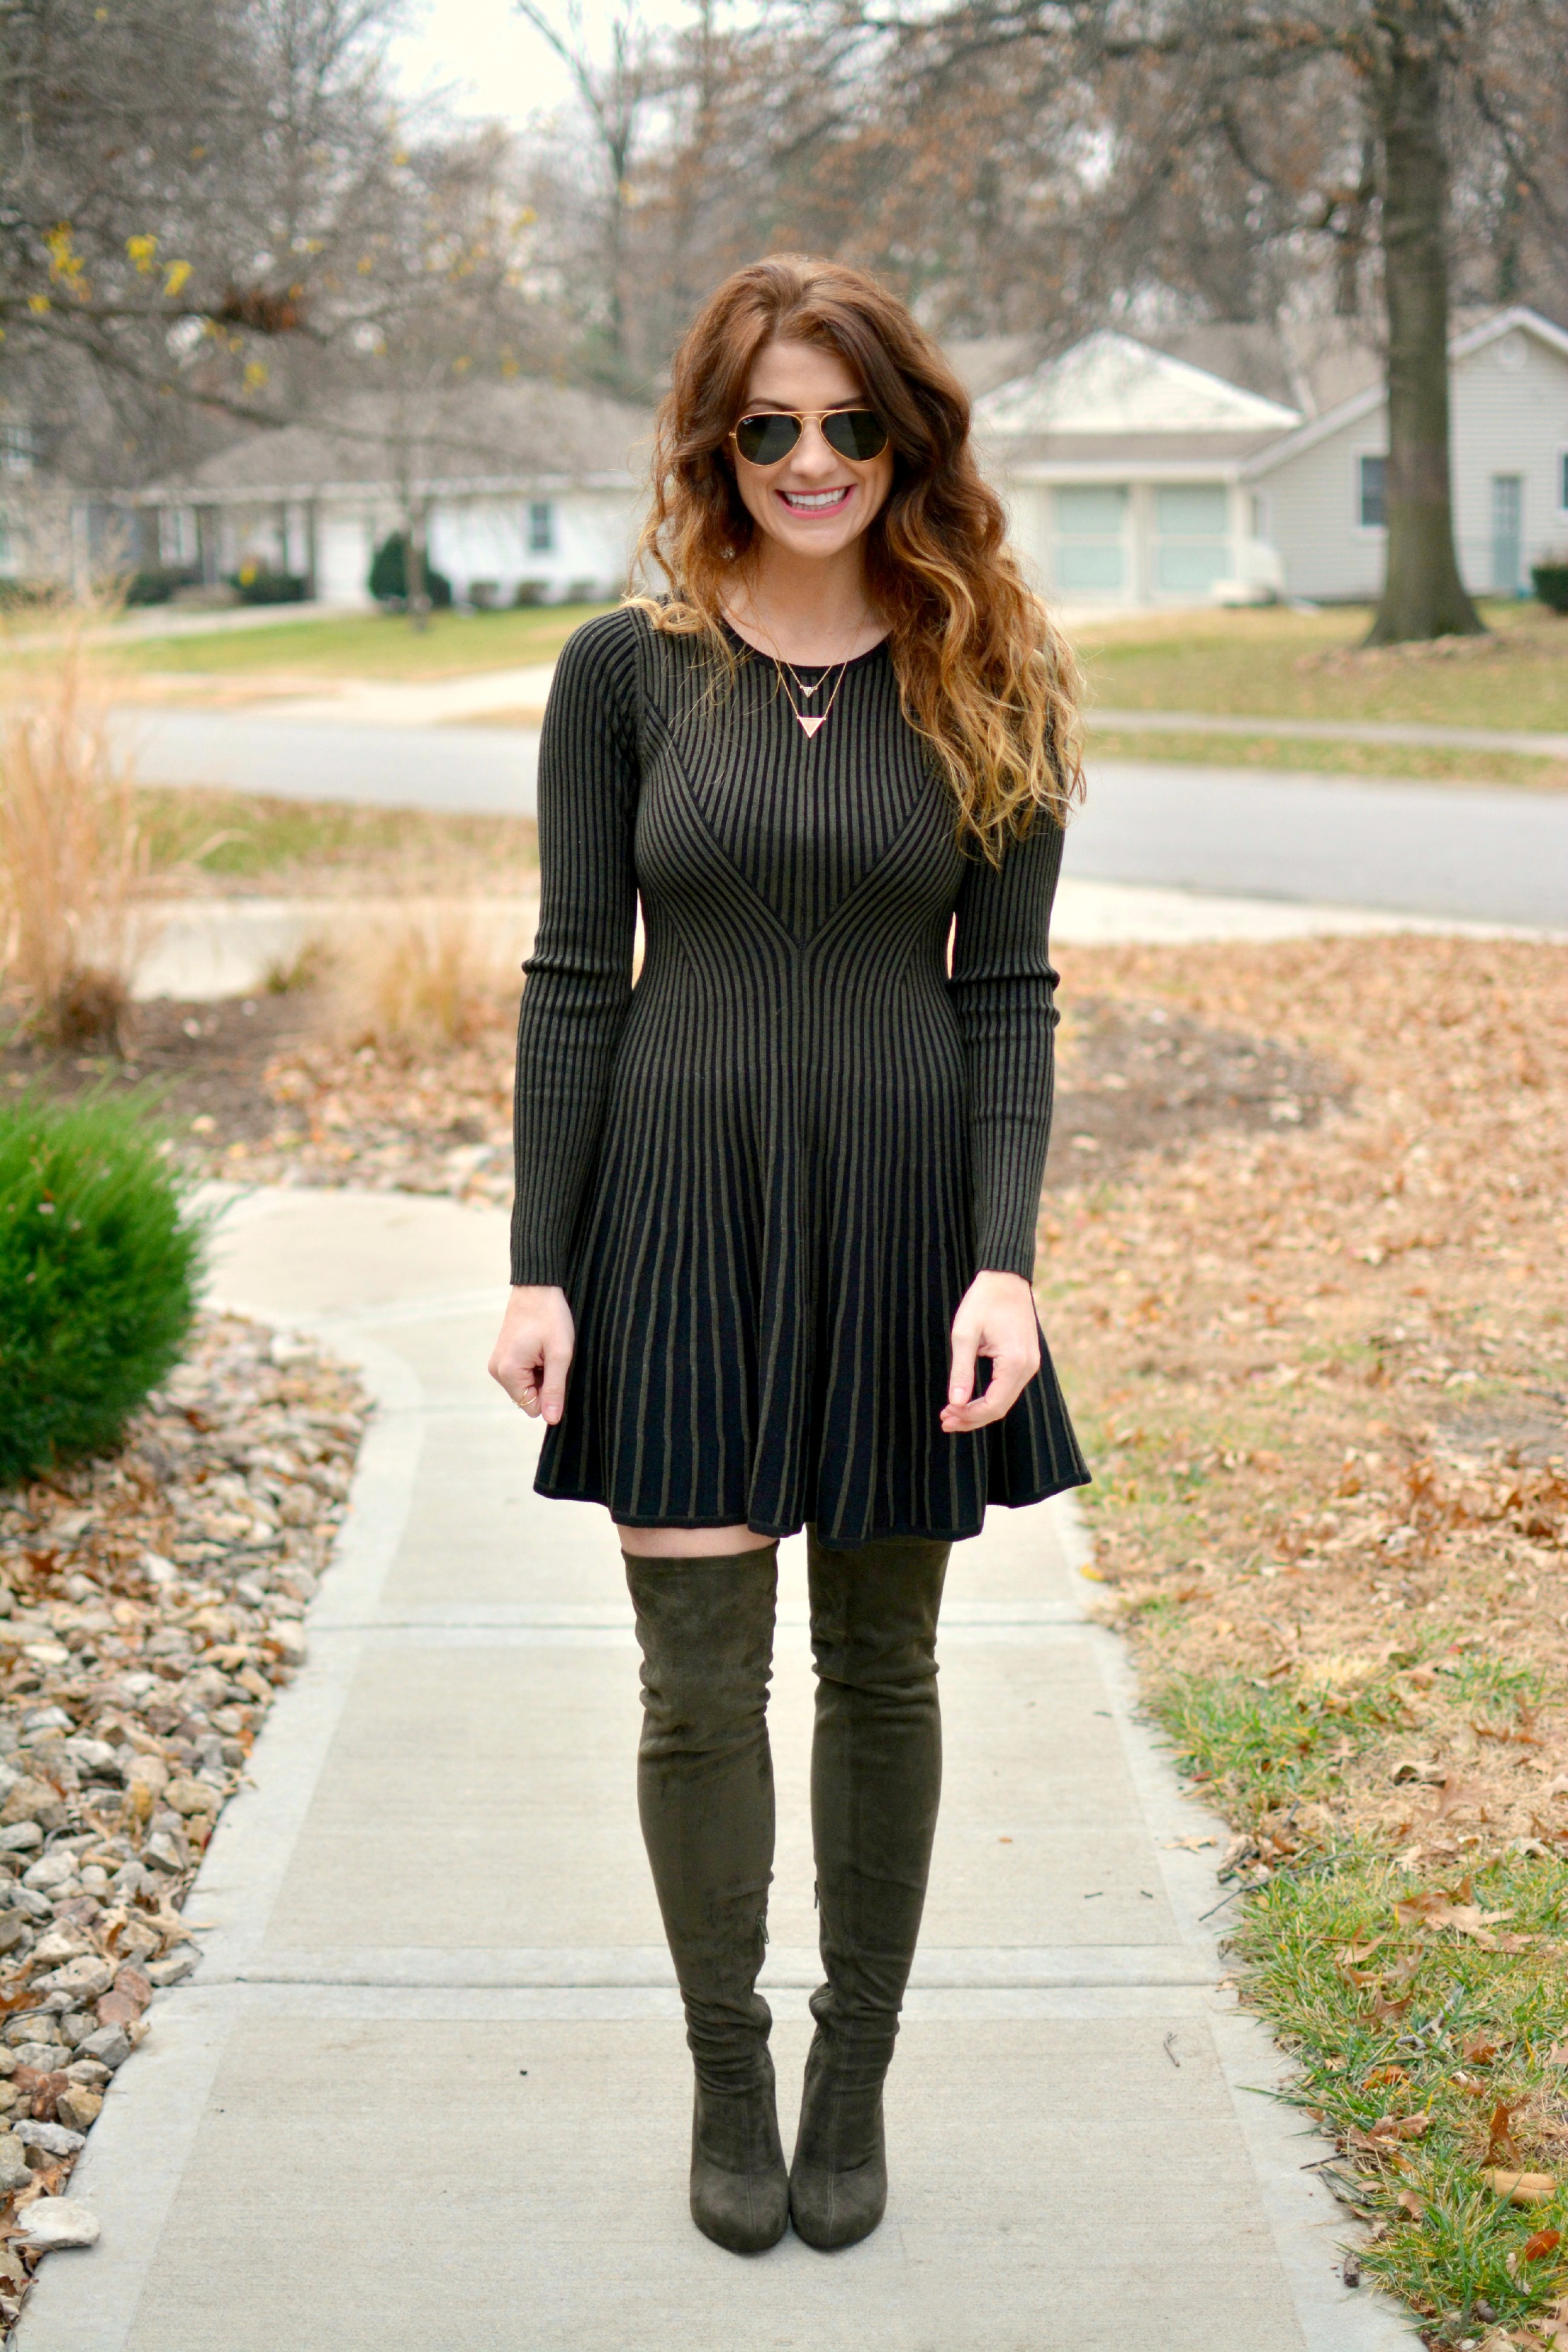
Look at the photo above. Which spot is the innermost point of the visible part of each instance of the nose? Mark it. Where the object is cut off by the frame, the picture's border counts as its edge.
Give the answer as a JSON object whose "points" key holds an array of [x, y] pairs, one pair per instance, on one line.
{"points": [[813, 458]]}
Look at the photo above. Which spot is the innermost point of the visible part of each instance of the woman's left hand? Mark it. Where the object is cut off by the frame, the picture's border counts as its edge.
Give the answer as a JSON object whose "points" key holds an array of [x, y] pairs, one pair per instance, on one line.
{"points": [[995, 1318]]}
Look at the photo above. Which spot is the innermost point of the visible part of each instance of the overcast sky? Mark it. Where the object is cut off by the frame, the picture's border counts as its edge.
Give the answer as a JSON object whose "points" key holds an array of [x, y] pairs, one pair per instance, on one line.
{"points": [[492, 62]]}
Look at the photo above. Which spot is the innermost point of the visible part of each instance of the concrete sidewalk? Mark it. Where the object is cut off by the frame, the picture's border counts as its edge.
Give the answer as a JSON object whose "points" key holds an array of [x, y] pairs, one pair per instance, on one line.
{"points": [[212, 948], [429, 2087]]}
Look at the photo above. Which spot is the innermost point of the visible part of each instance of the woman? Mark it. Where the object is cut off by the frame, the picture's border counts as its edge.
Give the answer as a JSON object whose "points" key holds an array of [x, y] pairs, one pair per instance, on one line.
{"points": [[773, 1206]]}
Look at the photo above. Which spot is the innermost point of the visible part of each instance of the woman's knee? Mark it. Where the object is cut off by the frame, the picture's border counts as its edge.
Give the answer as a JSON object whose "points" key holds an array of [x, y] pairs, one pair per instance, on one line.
{"points": [[873, 1612], [706, 1633]]}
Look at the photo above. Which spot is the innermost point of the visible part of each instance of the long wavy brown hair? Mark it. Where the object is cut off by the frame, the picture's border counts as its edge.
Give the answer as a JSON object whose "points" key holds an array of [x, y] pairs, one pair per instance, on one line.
{"points": [[982, 673]]}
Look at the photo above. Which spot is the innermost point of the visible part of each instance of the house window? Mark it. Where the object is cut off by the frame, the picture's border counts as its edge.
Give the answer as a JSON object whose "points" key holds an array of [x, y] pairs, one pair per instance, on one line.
{"points": [[18, 448], [1372, 493], [176, 537], [541, 527], [1194, 527], [1562, 481]]}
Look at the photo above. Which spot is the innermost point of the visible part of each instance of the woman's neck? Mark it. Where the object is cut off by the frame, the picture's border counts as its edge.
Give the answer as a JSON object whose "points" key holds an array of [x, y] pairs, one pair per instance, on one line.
{"points": [[807, 611]]}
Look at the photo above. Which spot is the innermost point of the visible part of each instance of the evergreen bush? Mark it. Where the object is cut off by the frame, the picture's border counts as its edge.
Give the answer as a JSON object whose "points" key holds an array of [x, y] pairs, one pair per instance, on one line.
{"points": [[255, 586], [389, 576], [1551, 584], [99, 1269]]}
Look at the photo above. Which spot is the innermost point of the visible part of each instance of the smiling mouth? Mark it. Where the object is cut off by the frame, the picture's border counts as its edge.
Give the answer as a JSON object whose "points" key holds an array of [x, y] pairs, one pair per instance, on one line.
{"points": [[819, 502]]}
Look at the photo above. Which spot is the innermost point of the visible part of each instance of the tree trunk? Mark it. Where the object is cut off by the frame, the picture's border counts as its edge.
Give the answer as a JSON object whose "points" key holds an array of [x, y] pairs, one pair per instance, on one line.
{"points": [[1423, 595], [416, 593]]}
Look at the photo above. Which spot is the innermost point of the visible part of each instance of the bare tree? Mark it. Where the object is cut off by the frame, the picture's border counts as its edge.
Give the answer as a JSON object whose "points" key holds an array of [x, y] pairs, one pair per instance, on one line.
{"points": [[1234, 133], [620, 85]]}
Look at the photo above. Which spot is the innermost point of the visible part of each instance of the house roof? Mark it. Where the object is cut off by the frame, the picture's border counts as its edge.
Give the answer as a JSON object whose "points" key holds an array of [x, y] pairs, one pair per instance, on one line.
{"points": [[982, 361], [1154, 453], [1309, 364], [482, 435], [1110, 385], [1486, 329]]}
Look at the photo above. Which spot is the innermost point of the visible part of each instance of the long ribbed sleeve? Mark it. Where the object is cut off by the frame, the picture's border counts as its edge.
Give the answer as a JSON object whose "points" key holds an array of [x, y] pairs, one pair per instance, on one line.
{"points": [[1004, 993], [579, 978]]}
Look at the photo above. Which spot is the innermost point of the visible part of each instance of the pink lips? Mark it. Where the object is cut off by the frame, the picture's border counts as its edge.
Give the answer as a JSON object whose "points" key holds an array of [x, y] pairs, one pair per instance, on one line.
{"points": [[810, 513]]}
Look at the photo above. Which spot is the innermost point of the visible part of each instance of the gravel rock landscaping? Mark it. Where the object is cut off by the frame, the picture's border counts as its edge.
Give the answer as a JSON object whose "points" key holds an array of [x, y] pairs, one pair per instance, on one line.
{"points": [[150, 1610]]}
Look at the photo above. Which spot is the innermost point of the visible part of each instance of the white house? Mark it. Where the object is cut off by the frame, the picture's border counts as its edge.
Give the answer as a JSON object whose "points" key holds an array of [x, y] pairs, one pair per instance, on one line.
{"points": [[1136, 476], [1121, 467], [532, 493]]}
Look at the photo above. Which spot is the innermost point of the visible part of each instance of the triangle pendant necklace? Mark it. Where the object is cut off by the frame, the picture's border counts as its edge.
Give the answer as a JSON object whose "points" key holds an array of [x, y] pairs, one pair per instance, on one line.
{"points": [[810, 720]]}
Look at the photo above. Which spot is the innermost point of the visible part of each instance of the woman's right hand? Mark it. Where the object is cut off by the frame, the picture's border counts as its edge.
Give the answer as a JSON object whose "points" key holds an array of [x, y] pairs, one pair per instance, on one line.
{"points": [[533, 1354]]}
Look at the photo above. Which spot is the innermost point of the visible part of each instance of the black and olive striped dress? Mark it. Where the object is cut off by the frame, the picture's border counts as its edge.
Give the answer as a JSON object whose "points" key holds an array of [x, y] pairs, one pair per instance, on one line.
{"points": [[766, 1174]]}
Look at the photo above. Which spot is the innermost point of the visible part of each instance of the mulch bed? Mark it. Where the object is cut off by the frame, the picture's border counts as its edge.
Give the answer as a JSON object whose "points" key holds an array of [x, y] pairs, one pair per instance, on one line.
{"points": [[250, 1093]]}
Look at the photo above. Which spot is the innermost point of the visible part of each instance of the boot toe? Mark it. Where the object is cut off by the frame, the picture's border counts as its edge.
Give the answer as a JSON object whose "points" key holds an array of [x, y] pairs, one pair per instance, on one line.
{"points": [[832, 2208], [744, 2212]]}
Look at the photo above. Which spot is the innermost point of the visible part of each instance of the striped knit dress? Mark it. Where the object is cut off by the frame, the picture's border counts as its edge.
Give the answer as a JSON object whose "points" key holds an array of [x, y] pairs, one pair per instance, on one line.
{"points": [[766, 1175]]}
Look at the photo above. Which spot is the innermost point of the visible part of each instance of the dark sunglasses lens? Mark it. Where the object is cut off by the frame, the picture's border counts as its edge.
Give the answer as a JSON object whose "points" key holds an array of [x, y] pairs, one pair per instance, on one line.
{"points": [[855, 433], [764, 440]]}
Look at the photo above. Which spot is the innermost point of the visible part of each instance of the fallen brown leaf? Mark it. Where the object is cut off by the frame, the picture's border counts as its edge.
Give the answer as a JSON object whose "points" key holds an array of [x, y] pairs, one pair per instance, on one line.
{"points": [[1544, 2242], [1520, 2188]]}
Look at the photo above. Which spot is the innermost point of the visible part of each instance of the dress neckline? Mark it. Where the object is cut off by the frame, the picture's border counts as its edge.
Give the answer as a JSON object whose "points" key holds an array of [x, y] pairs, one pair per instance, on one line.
{"points": [[856, 661]]}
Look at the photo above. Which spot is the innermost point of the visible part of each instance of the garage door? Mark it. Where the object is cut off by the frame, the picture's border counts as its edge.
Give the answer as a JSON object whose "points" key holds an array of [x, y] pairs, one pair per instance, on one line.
{"points": [[1191, 525], [1090, 528]]}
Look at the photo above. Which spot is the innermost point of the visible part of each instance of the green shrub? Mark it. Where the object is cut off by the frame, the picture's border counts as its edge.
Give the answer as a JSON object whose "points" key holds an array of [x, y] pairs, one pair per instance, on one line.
{"points": [[389, 576], [253, 585], [152, 586], [1551, 584], [100, 1268]]}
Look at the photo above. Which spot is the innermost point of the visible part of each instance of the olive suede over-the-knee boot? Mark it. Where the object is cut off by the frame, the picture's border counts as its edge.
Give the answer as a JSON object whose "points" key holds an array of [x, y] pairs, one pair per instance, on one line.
{"points": [[876, 1782], [705, 1794]]}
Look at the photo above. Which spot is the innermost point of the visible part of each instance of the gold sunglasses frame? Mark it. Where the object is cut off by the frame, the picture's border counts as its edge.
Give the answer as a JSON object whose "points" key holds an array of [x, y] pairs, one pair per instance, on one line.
{"points": [[802, 417]]}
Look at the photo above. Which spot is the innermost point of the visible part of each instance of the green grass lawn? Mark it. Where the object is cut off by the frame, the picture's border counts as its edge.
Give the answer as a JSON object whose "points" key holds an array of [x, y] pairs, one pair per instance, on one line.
{"points": [[1275, 663], [365, 645], [247, 842], [1406, 762]]}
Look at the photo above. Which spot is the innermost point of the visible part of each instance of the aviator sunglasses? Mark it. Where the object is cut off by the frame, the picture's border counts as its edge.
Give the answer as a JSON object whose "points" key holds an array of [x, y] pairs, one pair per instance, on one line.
{"points": [[768, 437]]}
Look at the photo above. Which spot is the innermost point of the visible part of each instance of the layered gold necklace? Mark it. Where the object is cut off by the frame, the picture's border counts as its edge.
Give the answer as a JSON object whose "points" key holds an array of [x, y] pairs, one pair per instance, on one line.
{"points": [[810, 720]]}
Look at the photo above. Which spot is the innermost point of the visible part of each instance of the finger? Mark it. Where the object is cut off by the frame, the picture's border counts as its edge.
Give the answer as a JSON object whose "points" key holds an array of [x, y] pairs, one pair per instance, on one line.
{"points": [[553, 1386], [517, 1371], [961, 1372], [1010, 1375]]}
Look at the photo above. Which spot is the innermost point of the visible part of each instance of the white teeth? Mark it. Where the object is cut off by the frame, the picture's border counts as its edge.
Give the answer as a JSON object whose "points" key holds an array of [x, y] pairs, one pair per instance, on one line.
{"points": [[814, 498]]}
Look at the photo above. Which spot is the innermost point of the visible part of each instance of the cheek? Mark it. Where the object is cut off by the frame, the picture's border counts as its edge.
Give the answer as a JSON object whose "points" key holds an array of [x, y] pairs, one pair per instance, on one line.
{"points": [[880, 484], [755, 494]]}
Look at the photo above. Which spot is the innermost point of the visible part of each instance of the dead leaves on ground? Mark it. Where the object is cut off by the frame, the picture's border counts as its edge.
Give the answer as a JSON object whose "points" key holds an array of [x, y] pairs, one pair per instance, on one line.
{"points": [[1326, 1373]]}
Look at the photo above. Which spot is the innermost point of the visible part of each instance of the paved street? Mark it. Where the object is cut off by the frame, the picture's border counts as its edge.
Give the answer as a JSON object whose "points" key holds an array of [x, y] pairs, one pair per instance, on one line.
{"points": [[430, 2086], [468, 771], [1480, 854]]}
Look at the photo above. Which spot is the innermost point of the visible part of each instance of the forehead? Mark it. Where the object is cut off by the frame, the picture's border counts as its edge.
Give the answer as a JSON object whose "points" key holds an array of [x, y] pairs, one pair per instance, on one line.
{"points": [[800, 375]]}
